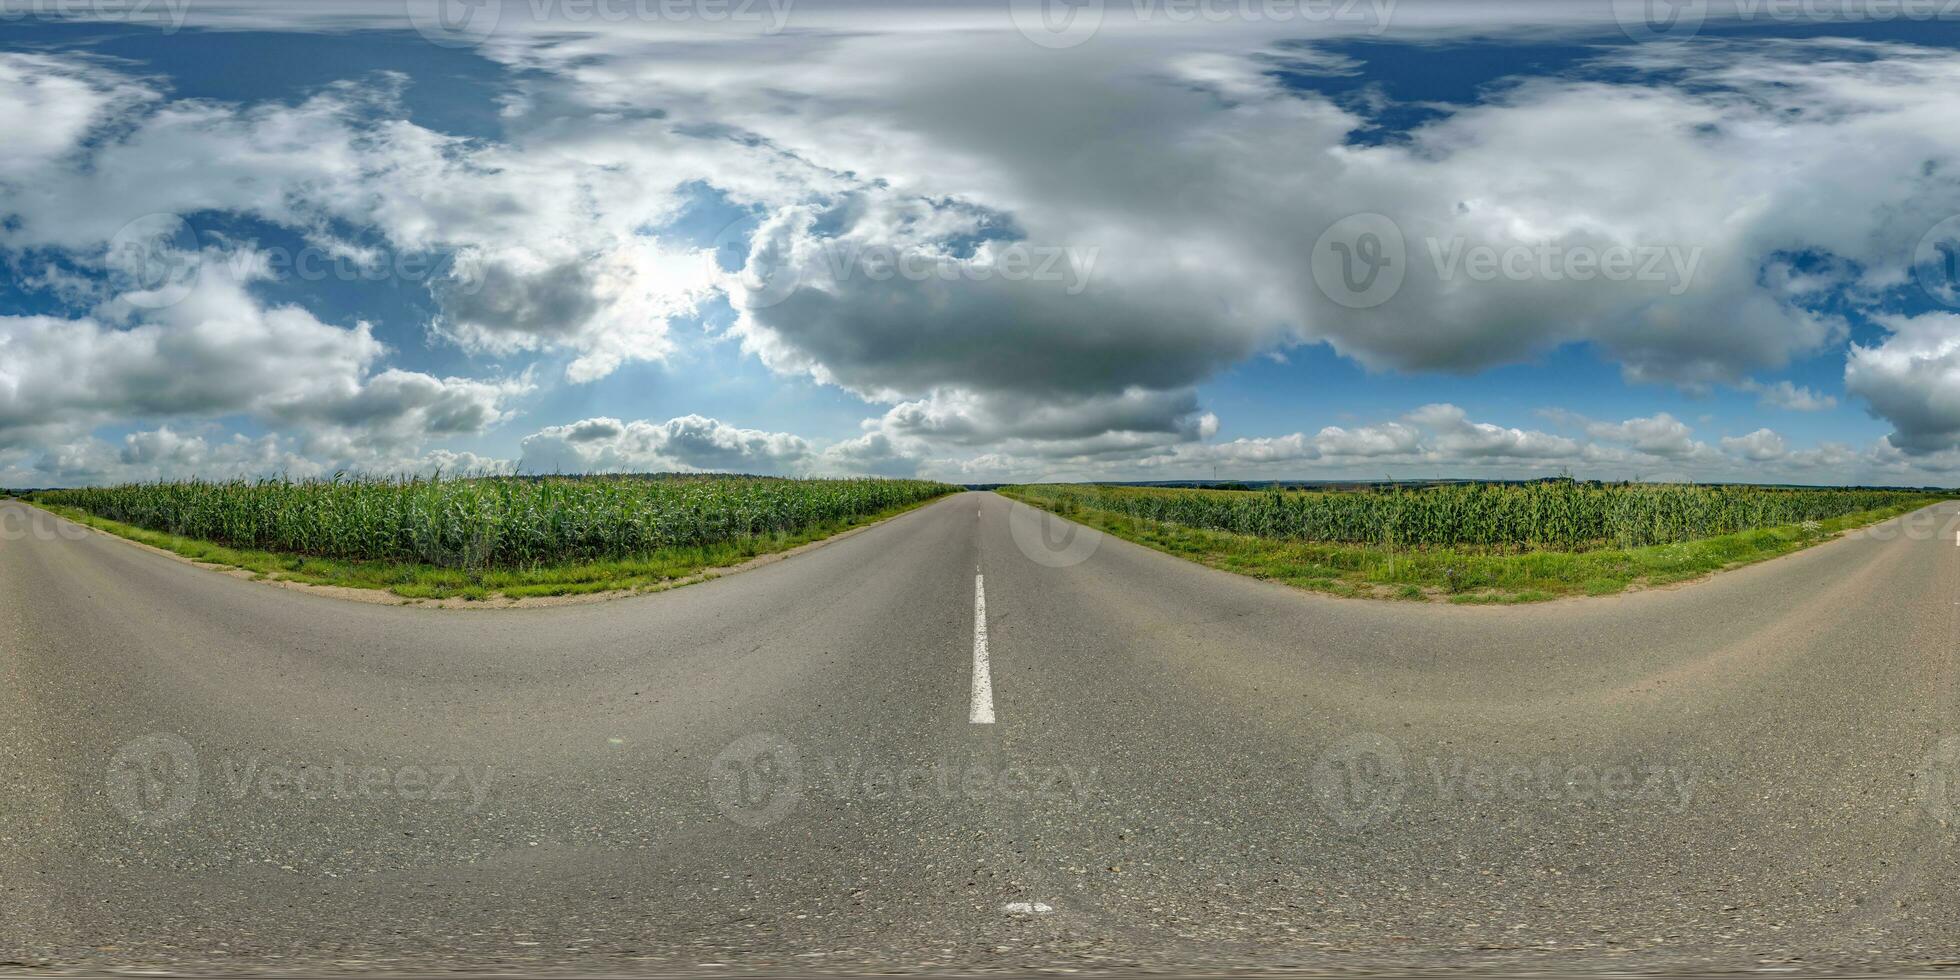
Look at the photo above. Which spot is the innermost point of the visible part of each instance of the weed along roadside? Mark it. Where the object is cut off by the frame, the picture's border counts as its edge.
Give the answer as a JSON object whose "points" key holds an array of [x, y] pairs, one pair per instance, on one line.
{"points": [[1475, 543]]}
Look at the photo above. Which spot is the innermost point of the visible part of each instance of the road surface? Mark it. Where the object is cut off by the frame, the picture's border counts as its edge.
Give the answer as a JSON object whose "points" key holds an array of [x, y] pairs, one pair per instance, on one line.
{"points": [[828, 764]]}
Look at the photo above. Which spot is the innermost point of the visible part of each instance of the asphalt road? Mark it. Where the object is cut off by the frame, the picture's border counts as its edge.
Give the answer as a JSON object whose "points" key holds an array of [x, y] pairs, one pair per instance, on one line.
{"points": [[790, 769]]}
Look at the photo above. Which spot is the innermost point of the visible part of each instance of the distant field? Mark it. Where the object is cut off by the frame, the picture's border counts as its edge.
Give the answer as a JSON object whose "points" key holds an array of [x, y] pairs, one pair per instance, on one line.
{"points": [[474, 537], [1475, 542]]}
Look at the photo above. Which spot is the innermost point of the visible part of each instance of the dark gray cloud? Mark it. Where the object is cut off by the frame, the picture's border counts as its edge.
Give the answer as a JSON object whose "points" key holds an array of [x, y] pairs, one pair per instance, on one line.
{"points": [[496, 298]]}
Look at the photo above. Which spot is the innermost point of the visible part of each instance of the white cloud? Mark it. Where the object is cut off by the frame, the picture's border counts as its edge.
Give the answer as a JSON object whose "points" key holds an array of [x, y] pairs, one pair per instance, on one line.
{"points": [[1759, 446], [168, 453], [549, 242], [1660, 435], [1456, 436], [1387, 439], [611, 306], [690, 443], [51, 103], [1912, 380], [926, 147], [220, 352], [1125, 422], [1790, 396], [1720, 180]]}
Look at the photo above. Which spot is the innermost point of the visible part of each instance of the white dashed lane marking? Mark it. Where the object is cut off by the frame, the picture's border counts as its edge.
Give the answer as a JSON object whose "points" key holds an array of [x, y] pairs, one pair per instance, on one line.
{"points": [[982, 712]]}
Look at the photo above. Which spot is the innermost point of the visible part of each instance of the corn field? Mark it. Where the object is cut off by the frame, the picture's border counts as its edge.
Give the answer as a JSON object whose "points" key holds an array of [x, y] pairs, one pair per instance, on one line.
{"points": [[496, 522], [1561, 515]]}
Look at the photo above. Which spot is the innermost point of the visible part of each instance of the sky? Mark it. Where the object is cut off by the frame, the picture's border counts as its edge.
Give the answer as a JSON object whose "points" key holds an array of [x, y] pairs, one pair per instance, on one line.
{"points": [[981, 242]]}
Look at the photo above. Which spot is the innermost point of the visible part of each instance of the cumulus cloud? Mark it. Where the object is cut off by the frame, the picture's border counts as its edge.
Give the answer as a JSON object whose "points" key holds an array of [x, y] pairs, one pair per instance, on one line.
{"points": [[1455, 435], [690, 443], [1125, 421], [1386, 439], [1428, 437], [217, 352], [1789, 396], [1912, 380], [547, 248], [612, 306], [1696, 171], [910, 233], [51, 104], [1552, 167], [170, 453], [1660, 435], [397, 407], [1759, 446], [871, 454]]}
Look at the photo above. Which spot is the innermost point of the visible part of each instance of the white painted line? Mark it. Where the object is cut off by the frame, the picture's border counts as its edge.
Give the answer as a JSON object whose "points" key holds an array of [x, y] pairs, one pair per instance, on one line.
{"points": [[982, 712], [1027, 908]]}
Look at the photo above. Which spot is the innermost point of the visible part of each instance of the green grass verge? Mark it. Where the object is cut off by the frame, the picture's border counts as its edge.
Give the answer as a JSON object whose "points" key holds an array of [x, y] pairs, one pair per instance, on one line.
{"points": [[412, 581], [1463, 576]]}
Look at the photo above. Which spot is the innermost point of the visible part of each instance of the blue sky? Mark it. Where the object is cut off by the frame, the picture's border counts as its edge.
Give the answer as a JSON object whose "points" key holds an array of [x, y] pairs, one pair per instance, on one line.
{"points": [[245, 239]]}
